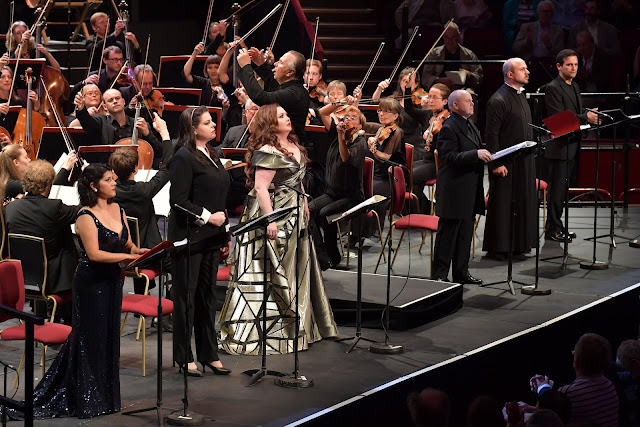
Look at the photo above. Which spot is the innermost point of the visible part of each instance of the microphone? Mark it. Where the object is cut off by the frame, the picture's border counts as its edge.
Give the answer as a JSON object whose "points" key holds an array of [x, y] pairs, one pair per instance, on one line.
{"points": [[392, 163], [6, 365], [541, 129], [302, 193], [600, 113], [188, 212]]}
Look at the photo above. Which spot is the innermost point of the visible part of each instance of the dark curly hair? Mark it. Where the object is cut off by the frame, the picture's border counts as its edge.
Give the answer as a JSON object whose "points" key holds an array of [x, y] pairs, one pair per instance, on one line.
{"points": [[92, 174], [263, 133], [187, 122]]}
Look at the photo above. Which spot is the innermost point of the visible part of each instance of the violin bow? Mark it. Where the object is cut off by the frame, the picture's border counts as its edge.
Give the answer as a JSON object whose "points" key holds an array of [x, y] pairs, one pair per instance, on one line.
{"points": [[373, 63], [124, 67], [244, 133], [144, 70], [269, 15], [104, 44], [313, 47], [206, 27], [63, 130], [115, 7], [446, 27], [243, 7], [275, 35], [404, 52]]}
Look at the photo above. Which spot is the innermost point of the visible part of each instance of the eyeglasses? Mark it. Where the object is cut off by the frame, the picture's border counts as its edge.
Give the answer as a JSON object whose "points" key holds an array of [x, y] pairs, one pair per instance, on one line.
{"points": [[354, 118], [383, 112]]}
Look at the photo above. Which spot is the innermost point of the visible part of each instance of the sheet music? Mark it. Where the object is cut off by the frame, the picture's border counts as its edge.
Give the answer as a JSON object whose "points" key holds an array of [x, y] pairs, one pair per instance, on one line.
{"points": [[370, 201], [512, 149], [68, 194], [145, 175], [457, 77], [585, 127], [60, 162], [161, 204]]}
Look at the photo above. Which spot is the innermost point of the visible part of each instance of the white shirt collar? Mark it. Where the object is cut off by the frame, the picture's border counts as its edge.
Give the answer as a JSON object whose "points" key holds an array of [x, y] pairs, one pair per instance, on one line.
{"points": [[207, 154], [519, 91]]}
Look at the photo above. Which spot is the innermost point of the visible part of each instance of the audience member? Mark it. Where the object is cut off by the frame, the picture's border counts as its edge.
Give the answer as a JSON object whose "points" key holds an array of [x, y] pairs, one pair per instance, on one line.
{"points": [[544, 418], [485, 411], [540, 38], [604, 34], [429, 408], [557, 402], [514, 14], [472, 13], [568, 12], [593, 70]]}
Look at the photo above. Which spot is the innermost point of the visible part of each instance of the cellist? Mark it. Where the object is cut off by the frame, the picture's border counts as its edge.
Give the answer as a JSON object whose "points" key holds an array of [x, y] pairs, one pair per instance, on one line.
{"points": [[18, 32], [100, 23]]}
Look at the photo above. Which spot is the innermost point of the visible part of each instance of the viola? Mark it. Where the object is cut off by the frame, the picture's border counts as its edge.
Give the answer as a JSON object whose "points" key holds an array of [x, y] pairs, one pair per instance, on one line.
{"points": [[435, 124], [319, 91], [417, 95]]}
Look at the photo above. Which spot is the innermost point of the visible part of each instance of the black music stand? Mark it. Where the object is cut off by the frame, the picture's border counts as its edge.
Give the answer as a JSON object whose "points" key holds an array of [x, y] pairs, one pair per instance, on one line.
{"points": [[357, 213], [8, 121], [242, 228], [617, 117], [155, 258], [521, 149]]}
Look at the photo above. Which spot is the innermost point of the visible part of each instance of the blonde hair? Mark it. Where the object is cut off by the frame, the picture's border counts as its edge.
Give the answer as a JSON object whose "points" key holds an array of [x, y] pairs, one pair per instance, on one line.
{"points": [[38, 177], [10, 42], [8, 169]]}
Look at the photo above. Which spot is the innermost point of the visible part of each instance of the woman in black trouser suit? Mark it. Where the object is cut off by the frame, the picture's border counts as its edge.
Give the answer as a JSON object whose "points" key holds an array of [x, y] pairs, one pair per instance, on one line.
{"points": [[199, 183]]}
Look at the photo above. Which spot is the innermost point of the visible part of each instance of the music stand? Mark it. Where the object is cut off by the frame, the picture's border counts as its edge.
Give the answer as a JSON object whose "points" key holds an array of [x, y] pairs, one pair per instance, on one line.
{"points": [[8, 121], [358, 212], [242, 228], [152, 259], [37, 65]]}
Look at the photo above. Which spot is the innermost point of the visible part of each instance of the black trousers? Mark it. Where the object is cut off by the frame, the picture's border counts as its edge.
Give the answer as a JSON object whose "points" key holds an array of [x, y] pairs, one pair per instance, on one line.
{"points": [[556, 191], [423, 171], [319, 208], [453, 246], [202, 306]]}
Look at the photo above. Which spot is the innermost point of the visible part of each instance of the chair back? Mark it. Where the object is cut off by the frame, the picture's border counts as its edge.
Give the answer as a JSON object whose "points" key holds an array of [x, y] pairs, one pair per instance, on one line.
{"points": [[11, 286], [367, 177], [409, 153], [396, 176], [3, 230], [30, 250], [134, 230]]}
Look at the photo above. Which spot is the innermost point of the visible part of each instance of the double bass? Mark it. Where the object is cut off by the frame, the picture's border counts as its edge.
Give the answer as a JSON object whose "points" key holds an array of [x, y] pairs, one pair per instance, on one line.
{"points": [[145, 150]]}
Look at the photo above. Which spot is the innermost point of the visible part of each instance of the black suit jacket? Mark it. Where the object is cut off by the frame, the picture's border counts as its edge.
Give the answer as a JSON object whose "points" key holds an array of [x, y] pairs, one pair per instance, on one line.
{"points": [[291, 95], [557, 98], [50, 219], [459, 192], [195, 186]]}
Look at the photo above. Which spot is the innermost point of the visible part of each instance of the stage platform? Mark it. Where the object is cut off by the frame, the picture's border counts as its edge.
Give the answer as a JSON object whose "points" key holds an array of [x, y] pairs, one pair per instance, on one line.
{"points": [[491, 345]]}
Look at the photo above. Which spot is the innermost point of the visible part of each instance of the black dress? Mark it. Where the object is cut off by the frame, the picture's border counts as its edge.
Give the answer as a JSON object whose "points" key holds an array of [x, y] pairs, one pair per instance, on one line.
{"points": [[84, 381]]}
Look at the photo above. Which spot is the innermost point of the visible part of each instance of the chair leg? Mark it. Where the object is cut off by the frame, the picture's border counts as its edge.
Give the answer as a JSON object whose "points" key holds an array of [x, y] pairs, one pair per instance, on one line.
{"points": [[144, 347], [44, 356], [15, 382], [431, 255], [384, 257], [397, 249], [340, 238], [424, 237], [348, 245], [382, 250], [123, 323], [544, 207]]}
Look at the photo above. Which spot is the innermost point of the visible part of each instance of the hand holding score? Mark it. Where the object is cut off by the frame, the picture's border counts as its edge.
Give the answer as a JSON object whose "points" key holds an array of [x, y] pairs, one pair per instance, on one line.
{"points": [[484, 155]]}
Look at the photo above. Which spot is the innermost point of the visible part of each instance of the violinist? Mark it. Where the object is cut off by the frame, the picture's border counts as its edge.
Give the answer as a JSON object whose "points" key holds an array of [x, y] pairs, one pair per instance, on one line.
{"points": [[237, 97], [107, 130], [431, 120], [387, 144], [345, 160], [18, 32], [92, 101], [214, 92], [317, 86], [99, 23], [113, 59], [217, 35]]}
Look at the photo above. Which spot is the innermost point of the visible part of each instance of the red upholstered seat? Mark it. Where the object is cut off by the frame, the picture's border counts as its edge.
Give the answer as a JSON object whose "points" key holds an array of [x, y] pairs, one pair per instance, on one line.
{"points": [[542, 185], [431, 182], [62, 298], [151, 274], [223, 273], [145, 305], [47, 334], [417, 221]]}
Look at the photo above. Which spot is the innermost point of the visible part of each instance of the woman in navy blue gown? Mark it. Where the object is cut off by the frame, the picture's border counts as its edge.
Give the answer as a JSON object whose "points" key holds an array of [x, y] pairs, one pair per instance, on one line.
{"points": [[83, 381]]}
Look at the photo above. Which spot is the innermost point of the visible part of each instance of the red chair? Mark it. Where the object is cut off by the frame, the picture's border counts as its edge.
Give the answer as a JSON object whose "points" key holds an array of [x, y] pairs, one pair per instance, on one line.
{"points": [[408, 195], [431, 184], [542, 186], [12, 294], [425, 223], [367, 184]]}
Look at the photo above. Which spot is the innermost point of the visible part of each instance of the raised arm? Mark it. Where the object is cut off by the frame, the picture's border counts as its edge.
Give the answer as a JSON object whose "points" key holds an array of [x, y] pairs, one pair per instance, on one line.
{"points": [[189, 64]]}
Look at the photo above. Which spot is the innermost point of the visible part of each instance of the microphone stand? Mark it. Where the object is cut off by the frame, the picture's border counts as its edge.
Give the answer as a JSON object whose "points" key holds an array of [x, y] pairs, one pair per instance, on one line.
{"points": [[296, 380], [387, 347], [594, 264], [534, 290], [187, 418]]}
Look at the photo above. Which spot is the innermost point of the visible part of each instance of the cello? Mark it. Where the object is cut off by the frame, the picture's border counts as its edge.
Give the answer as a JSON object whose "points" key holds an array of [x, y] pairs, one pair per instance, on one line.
{"points": [[28, 128], [145, 150]]}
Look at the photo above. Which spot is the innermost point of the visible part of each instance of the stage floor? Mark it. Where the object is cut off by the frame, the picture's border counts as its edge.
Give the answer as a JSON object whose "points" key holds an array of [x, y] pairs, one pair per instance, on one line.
{"points": [[489, 314]]}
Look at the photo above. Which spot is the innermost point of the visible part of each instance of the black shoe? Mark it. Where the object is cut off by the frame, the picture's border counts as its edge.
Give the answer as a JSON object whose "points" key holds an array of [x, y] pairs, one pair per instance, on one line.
{"points": [[557, 236], [572, 235], [191, 372], [498, 256], [470, 280], [440, 279], [217, 371]]}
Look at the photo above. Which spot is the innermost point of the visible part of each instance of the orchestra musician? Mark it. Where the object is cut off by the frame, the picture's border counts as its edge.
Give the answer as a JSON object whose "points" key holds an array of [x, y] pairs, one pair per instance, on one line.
{"points": [[459, 192], [136, 197], [343, 175], [92, 100], [317, 86], [283, 84], [18, 32], [217, 34], [99, 23], [37, 215], [5, 86], [214, 92]]}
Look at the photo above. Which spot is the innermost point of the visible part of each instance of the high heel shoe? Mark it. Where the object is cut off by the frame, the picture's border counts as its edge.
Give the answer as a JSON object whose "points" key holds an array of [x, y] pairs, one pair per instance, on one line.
{"points": [[216, 371], [190, 372]]}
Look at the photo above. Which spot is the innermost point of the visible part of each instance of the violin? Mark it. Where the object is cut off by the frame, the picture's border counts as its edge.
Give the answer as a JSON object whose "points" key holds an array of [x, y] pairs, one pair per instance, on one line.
{"points": [[319, 91], [417, 95], [435, 124], [155, 101], [385, 132]]}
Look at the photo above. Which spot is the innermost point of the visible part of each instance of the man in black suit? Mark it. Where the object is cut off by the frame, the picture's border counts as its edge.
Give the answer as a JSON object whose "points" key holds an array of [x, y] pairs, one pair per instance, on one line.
{"points": [[136, 198], [39, 216], [282, 85], [459, 191], [562, 94]]}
